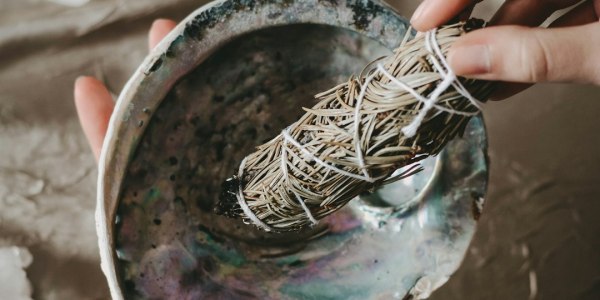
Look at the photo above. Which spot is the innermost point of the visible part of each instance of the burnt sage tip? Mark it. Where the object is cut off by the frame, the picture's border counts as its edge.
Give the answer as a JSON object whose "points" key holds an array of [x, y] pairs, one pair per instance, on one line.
{"points": [[228, 204]]}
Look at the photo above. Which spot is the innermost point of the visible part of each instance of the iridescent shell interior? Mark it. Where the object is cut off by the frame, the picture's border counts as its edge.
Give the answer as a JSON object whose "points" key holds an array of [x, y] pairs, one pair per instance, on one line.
{"points": [[232, 76]]}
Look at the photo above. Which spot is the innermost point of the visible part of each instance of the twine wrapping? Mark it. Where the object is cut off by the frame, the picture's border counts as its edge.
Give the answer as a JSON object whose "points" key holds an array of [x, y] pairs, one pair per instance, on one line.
{"points": [[399, 110]]}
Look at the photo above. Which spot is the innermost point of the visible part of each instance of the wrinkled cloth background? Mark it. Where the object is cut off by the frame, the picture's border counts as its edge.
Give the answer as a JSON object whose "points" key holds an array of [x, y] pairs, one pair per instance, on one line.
{"points": [[539, 237]]}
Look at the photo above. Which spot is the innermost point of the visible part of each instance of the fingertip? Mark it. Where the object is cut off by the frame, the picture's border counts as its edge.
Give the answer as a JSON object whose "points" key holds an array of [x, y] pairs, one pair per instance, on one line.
{"points": [[159, 29], [415, 21], [88, 88], [163, 24], [94, 106], [433, 13], [420, 26], [420, 20], [470, 55], [79, 80], [81, 84], [88, 82], [472, 60]]}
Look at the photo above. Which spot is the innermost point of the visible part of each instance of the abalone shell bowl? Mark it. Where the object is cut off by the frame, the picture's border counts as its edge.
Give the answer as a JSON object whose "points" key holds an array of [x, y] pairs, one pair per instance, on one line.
{"points": [[229, 77]]}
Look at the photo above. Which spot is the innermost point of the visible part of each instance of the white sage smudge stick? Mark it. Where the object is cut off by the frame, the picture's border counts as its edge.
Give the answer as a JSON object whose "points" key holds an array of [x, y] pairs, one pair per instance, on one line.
{"points": [[399, 110]]}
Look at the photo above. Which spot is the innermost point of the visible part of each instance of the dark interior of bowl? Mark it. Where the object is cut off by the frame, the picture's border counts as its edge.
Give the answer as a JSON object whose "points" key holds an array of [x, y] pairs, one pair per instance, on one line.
{"points": [[169, 242]]}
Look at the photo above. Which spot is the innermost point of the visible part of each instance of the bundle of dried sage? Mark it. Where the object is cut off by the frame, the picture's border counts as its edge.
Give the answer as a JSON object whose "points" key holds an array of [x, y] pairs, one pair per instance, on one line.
{"points": [[399, 110]]}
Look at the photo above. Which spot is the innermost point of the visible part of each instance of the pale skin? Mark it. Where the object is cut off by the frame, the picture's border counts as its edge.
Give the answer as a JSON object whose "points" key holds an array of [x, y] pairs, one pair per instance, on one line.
{"points": [[511, 50], [514, 50], [93, 101]]}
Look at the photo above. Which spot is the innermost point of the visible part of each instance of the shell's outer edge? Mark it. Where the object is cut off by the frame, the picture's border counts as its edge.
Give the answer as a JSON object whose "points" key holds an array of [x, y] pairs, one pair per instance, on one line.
{"points": [[106, 211], [476, 133], [113, 165]]}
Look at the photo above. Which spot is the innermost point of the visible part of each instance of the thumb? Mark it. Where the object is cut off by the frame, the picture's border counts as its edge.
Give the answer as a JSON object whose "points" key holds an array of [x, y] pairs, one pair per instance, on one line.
{"points": [[521, 54]]}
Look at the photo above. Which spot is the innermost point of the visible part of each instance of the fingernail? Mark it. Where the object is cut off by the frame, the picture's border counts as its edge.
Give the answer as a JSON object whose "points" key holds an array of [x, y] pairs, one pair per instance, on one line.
{"points": [[156, 23], [424, 6], [470, 60], [79, 79]]}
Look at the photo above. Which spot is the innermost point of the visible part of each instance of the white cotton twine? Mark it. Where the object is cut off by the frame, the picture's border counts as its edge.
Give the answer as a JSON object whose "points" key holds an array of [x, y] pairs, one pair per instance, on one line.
{"points": [[449, 78]]}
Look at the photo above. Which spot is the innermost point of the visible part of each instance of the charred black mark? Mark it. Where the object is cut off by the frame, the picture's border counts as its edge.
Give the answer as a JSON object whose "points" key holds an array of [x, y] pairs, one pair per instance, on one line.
{"points": [[173, 160], [156, 65], [209, 18], [205, 20], [228, 205], [364, 12], [171, 50], [157, 221]]}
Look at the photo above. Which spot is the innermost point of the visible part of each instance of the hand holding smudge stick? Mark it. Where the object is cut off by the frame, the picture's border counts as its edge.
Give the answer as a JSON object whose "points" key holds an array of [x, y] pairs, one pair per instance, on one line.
{"points": [[399, 110]]}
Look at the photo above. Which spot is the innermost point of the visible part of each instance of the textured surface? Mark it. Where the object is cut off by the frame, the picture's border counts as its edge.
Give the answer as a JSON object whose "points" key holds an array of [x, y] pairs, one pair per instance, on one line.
{"points": [[13, 281], [540, 220], [171, 244]]}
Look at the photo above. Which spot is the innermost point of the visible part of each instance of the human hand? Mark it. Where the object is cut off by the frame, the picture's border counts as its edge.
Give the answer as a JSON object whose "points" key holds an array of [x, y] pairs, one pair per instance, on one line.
{"points": [[510, 50], [95, 104]]}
